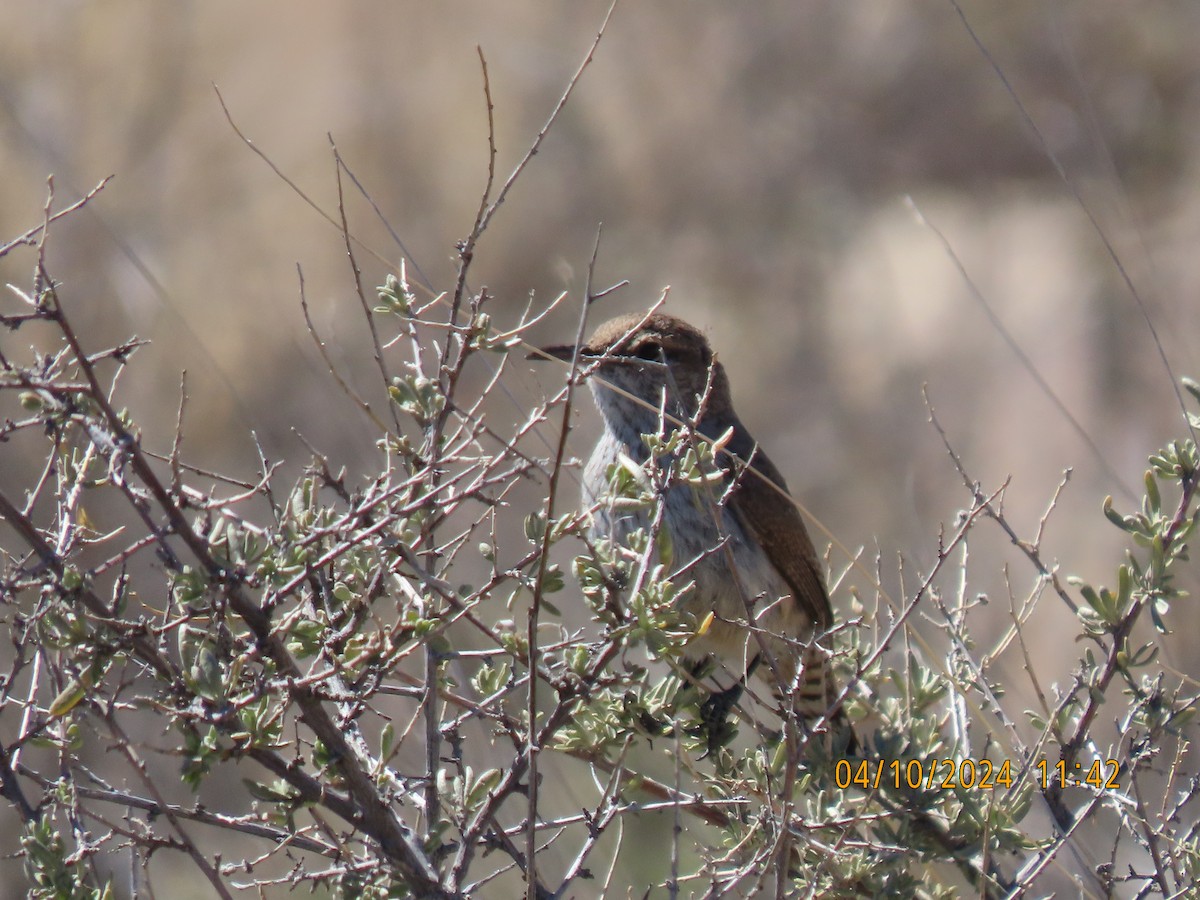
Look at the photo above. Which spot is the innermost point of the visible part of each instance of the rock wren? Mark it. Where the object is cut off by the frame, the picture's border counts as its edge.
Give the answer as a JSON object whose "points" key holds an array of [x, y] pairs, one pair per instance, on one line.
{"points": [[741, 543]]}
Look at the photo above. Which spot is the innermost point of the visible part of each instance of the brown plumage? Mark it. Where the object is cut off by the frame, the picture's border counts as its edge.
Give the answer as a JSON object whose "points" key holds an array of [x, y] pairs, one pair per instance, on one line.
{"points": [[753, 550]]}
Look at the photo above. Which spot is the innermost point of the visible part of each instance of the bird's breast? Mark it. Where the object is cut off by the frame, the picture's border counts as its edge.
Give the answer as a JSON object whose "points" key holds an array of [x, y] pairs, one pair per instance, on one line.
{"points": [[729, 571]]}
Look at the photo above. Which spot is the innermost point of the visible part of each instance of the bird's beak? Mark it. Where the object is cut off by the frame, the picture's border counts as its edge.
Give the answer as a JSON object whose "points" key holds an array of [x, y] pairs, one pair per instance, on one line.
{"points": [[564, 352]]}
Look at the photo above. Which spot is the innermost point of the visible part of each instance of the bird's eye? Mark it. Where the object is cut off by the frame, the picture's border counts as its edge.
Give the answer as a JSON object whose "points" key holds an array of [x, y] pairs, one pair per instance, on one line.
{"points": [[650, 350]]}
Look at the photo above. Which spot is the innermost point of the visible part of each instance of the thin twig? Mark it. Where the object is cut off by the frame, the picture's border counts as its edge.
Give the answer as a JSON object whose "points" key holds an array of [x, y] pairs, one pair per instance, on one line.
{"points": [[28, 236], [1022, 357], [1077, 195], [486, 217]]}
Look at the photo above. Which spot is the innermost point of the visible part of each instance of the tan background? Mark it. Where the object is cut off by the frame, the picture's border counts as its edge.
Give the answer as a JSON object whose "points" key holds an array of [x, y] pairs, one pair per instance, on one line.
{"points": [[755, 157]]}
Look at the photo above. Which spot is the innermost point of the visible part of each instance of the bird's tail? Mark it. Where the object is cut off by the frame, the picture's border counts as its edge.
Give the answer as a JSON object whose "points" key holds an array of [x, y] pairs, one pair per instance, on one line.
{"points": [[815, 701]]}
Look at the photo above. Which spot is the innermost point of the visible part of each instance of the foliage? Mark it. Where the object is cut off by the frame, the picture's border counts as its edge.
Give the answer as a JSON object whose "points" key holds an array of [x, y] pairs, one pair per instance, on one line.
{"points": [[381, 665], [387, 687]]}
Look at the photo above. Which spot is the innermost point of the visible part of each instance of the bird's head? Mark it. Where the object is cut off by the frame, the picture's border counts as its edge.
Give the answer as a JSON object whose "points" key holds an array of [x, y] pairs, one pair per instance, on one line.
{"points": [[643, 363]]}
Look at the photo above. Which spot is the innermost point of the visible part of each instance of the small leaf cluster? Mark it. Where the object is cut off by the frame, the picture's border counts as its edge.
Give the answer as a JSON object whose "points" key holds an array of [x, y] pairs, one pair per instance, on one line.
{"points": [[52, 875]]}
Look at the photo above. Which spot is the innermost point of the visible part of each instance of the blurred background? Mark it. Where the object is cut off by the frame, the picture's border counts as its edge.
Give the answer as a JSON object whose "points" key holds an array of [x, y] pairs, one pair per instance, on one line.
{"points": [[766, 161]]}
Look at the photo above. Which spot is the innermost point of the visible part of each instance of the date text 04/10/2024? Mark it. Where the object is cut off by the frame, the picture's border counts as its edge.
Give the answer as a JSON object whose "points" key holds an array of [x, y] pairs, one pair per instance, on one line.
{"points": [[982, 774]]}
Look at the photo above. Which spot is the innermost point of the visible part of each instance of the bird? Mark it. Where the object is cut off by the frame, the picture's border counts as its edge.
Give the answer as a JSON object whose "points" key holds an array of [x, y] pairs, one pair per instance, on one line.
{"points": [[757, 591]]}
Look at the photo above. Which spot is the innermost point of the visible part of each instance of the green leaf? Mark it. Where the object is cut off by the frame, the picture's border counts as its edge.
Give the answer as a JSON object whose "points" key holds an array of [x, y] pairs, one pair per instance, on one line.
{"points": [[1124, 588], [1113, 516], [69, 698], [1022, 802], [1191, 386], [267, 793], [553, 580], [1153, 498], [1096, 602], [535, 527], [486, 782], [387, 740]]}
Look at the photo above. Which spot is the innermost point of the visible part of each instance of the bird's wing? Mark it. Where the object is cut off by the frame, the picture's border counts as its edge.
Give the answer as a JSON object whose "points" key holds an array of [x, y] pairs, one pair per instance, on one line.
{"points": [[772, 518]]}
